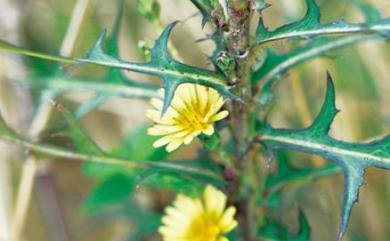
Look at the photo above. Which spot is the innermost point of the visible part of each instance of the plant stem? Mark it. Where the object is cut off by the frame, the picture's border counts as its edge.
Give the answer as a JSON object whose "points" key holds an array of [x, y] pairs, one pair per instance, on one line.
{"points": [[238, 45], [240, 117], [106, 159]]}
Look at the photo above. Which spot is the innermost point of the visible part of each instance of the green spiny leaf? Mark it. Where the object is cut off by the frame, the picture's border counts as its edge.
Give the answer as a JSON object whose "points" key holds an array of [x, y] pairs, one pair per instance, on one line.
{"points": [[324, 119], [171, 71], [163, 65], [310, 26], [286, 173], [278, 232], [276, 65], [354, 158], [204, 7], [310, 21], [12, 48], [65, 84]]}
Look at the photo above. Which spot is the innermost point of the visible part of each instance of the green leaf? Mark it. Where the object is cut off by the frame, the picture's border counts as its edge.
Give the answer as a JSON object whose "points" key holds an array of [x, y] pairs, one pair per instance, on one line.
{"points": [[137, 146], [12, 48], [371, 13], [354, 158], [112, 191], [82, 141], [47, 149], [149, 9], [276, 231], [162, 65], [173, 182], [276, 65], [310, 26], [287, 174], [112, 41], [205, 8], [61, 84], [114, 84]]}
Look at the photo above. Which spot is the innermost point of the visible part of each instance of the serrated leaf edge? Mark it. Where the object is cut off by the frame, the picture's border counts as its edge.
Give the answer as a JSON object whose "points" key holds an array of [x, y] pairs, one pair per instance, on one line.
{"points": [[353, 162]]}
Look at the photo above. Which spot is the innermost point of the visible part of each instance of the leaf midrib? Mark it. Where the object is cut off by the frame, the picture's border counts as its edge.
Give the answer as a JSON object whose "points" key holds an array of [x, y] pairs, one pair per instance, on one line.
{"points": [[321, 147], [326, 30], [106, 159], [149, 69]]}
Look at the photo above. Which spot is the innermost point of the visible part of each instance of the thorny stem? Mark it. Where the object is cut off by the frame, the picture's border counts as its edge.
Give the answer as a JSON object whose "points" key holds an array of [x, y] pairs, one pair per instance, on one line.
{"points": [[237, 32], [238, 45]]}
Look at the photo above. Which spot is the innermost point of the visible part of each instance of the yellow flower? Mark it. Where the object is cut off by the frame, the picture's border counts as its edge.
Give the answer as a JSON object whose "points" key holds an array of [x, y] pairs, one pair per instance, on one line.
{"points": [[193, 110], [198, 220]]}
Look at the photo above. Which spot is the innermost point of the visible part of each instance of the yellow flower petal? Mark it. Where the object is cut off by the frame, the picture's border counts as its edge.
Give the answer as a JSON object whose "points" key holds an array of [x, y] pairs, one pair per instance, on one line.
{"points": [[159, 130], [215, 200], [163, 141], [223, 239], [219, 116], [194, 109], [174, 144], [209, 131], [227, 222], [205, 220]]}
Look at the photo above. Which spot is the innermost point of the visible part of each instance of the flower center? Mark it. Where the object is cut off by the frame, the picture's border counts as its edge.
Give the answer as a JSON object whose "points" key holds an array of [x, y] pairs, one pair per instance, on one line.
{"points": [[204, 228], [193, 119]]}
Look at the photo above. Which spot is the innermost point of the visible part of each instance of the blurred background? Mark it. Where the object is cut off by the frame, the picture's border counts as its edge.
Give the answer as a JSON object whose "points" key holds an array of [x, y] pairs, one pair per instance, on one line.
{"points": [[62, 200]]}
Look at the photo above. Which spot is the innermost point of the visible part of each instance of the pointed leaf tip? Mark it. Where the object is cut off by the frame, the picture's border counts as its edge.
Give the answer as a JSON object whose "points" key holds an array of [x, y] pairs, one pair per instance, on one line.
{"points": [[98, 44], [160, 49], [354, 177], [354, 158], [203, 12], [170, 87], [313, 10], [324, 119]]}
